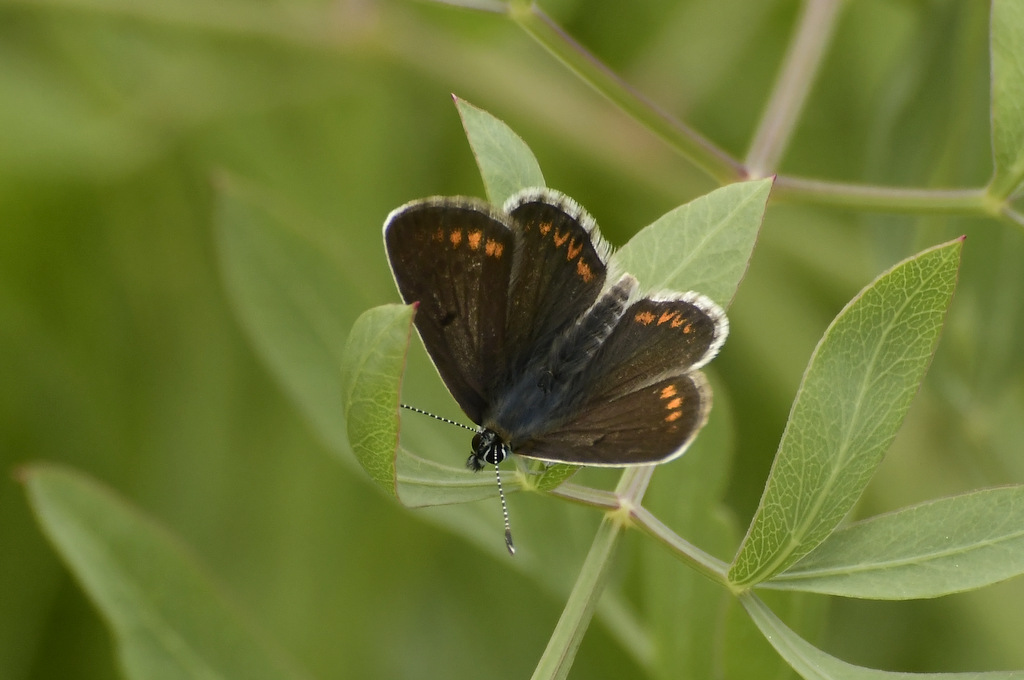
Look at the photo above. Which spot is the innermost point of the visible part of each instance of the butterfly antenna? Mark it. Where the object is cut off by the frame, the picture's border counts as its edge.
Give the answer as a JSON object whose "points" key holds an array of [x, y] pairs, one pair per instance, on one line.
{"points": [[504, 512], [437, 417], [497, 473]]}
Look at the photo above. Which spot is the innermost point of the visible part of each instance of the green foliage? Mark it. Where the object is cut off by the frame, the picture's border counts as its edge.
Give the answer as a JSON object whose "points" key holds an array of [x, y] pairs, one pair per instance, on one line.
{"points": [[208, 353], [506, 163], [291, 299], [936, 548], [1007, 97], [813, 664], [169, 618], [375, 351], [854, 395], [704, 245]]}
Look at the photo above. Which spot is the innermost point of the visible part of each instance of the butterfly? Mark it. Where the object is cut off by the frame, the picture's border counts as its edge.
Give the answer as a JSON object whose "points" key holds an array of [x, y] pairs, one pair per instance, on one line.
{"points": [[551, 352]]}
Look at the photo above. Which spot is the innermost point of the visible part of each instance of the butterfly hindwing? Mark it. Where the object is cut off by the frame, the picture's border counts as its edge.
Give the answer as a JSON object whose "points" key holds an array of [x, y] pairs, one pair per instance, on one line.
{"points": [[454, 257], [652, 424], [644, 399]]}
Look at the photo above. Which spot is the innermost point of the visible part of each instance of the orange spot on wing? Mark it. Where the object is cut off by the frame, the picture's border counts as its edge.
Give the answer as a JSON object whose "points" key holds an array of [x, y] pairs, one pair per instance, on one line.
{"points": [[560, 238], [573, 250], [669, 391], [455, 237], [544, 228], [494, 248], [674, 416], [666, 316], [474, 239], [675, 403], [646, 318], [583, 269]]}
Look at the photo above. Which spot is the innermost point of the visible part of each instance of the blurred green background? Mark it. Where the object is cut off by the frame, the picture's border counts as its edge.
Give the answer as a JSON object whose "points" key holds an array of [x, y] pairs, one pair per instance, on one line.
{"points": [[121, 355]]}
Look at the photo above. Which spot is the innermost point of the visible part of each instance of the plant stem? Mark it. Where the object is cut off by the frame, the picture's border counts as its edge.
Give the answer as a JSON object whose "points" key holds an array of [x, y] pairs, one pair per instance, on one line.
{"points": [[709, 565], [1013, 216], [710, 158], [796, 77], [579, 608], [774, 131], [585, 495], [565, 640], [894, 199]]}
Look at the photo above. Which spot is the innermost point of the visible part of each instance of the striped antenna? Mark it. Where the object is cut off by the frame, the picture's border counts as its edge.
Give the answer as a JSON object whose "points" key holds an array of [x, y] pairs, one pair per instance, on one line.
{"points": [[497, 473], [504, 512], [437, 417]]}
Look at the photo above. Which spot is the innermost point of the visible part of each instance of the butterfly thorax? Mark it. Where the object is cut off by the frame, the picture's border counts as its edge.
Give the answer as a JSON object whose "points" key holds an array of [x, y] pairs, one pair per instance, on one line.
{"points": [[548, 387]]}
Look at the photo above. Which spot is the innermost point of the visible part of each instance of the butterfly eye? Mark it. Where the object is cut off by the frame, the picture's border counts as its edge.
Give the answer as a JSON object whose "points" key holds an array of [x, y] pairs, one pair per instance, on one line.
{"points": [[475, 462], [489, 448]]}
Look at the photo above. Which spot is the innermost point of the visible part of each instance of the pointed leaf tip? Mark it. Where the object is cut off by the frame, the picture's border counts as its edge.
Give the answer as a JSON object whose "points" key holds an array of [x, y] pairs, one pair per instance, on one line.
{"points": [[506, 163]]}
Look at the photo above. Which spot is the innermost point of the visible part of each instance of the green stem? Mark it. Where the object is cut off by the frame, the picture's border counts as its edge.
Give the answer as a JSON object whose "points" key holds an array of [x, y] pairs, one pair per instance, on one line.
{"points": [[710, 158], [705, 563], [579, 608], [311, 30], [774, 130], [893, 199], [796, 77], [584, 495], [708, 565], [1013, 216]]}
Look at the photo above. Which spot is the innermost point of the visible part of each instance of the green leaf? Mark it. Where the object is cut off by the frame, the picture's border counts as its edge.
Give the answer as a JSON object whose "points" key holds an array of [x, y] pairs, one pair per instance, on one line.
{"points": [[371, 364], [1007, 96], [813, 664], [291, 299], [506, 164], [553, 475], [936, 548], [704, 245], [168, 617], [853, 397], [424, 483], [371, 367]]}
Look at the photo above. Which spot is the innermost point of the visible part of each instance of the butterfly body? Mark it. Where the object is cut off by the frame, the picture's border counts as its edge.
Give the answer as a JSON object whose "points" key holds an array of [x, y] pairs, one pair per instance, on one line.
{"points": [[546, 358], [553, 384]]}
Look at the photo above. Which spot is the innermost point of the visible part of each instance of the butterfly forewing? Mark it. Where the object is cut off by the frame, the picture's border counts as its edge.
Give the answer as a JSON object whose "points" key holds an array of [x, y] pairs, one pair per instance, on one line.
{"points": [[454, 257], [558, 273]]}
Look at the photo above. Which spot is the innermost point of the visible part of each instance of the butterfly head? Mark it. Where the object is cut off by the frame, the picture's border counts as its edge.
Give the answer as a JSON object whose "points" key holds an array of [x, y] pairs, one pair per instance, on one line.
{"points": [[488, 448]]}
